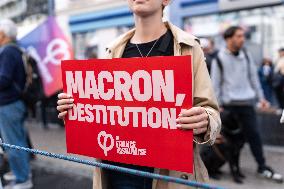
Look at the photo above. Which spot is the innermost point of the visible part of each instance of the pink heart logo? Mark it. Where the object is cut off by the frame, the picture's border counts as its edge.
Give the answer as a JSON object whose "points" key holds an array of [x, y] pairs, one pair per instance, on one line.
{"points": [[103, 145]]}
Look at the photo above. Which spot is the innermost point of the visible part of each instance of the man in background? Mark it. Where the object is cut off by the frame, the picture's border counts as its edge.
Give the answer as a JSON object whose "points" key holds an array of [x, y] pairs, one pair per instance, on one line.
{"points": [[12, 108], [236, 84]]}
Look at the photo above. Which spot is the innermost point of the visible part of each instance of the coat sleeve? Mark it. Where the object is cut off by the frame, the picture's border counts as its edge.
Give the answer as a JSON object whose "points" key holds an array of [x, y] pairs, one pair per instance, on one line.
{"points": [[203, 96]]}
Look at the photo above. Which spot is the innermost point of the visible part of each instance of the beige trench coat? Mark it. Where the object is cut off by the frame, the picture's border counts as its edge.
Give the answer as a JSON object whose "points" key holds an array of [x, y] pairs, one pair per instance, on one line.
{"points": [[184, 44]]}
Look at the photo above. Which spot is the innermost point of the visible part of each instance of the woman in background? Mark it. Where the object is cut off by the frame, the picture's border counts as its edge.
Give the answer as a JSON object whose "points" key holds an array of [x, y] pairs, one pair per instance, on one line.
{"points": [[265, 73]]}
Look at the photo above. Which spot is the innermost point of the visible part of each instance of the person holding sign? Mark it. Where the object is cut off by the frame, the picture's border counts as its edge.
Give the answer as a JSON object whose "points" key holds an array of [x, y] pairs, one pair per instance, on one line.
{"points": [[153, 37]]}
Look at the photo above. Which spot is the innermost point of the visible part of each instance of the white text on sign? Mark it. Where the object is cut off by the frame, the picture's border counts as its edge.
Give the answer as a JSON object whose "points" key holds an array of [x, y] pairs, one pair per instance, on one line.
{"points": [[121, 85]]}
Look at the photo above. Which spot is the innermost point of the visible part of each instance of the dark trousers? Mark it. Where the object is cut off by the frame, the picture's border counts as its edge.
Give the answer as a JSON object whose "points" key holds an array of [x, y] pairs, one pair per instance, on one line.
{"points": [[118, 180], [247, 117], [280, 96]]}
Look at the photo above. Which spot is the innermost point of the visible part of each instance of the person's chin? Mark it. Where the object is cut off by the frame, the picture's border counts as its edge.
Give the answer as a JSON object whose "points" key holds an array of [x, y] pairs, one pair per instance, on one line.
{"points": [[140, 1], [141, 12]]}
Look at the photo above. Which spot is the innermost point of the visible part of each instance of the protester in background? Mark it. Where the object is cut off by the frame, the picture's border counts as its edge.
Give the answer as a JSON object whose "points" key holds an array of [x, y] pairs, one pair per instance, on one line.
{"points": [[12, 108], [278, 79], [265, 73], [236, 84], [209, 50], [154, 38]]}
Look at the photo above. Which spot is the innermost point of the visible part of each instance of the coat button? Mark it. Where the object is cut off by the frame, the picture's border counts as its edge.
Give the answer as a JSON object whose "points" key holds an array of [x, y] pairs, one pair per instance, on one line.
{"points": [[184, 176]]}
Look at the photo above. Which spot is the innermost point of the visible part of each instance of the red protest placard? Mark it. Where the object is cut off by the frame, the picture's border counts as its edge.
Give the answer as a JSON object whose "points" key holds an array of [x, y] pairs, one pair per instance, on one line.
{"points": [[125, 110]]}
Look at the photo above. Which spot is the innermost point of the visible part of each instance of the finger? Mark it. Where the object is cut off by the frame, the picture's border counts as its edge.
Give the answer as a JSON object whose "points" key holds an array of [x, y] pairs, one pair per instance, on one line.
{"points": [[199, 131], [192, 119], [62, 115], [64, 95], [193, 125], [65, 101], [192, 111], [65, 107]]}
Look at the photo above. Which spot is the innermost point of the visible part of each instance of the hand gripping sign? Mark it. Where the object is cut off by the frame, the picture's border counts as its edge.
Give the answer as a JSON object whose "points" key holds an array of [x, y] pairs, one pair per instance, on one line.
{"points": [[125, 110]]}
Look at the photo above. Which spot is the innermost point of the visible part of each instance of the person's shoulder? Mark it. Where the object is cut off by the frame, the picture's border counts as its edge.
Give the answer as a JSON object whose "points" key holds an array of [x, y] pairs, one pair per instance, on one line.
{"points": [[11, 53], [11, 49]]}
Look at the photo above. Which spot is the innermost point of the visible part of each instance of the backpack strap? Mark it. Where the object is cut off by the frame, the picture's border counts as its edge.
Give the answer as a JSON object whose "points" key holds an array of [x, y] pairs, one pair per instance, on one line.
{"points": [[248, 60], [219, 64], [246, 55], [24, 54], [27, 67], [221, 68]]}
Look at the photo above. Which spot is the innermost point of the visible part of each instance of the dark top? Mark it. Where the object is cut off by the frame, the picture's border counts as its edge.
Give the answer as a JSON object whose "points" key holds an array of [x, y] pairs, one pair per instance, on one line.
{"points": [[163, 47], [12, 74]]}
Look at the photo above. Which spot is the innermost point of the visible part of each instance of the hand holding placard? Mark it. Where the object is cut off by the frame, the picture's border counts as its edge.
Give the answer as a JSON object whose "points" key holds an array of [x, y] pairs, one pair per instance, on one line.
{"points": [[130, 107]]}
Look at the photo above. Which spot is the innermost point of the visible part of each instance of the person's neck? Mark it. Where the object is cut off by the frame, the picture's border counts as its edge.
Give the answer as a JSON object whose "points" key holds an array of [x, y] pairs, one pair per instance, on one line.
{"points": [[232, 49], [148, 29]]}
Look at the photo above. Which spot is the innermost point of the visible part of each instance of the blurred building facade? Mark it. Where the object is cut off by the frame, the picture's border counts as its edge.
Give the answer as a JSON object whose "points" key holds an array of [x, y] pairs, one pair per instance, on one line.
{"points": [[19, 10], [263, 19], [12, 9], [26, 13], [94, 23]]}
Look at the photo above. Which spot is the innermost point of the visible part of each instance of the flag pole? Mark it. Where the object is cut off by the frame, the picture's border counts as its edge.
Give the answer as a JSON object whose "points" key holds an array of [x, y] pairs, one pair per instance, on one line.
{"points": [[51, 7]]}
